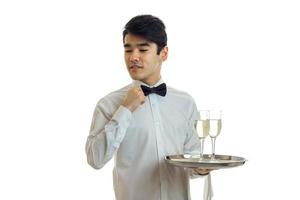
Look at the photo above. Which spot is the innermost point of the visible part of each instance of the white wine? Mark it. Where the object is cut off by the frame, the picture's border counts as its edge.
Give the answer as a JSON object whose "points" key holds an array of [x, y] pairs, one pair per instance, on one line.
{"points": [[215, 127], [202, 128]]}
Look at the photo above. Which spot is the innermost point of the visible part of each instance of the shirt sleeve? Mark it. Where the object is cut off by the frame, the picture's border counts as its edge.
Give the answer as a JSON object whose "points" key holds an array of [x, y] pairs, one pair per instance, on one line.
{"points": [[106, 134], [192, 143]]}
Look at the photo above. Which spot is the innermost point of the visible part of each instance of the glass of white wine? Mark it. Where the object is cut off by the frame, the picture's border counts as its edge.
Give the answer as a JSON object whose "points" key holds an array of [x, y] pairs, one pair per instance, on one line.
{"points": [[215, 125], [202, 128]]}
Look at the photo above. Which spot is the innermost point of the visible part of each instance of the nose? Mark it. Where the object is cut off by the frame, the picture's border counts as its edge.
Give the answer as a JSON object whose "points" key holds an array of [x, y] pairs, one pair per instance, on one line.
{"points": [[135, 56]]}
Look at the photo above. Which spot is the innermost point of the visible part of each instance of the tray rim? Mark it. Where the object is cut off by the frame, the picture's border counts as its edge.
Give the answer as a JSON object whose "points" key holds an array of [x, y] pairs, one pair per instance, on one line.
{"points": [[205, 165]]}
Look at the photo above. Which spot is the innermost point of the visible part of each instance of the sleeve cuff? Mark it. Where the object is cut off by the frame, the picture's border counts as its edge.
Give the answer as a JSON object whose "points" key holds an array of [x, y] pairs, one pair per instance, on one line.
{"points": [[122, 116]]}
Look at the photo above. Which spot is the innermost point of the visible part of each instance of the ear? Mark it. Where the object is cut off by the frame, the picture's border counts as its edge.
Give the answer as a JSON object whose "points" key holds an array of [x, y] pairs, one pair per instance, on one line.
{"points": [[164, 53]]}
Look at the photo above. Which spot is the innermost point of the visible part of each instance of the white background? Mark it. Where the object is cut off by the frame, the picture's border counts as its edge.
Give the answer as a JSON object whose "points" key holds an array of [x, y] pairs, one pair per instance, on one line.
{"points": [[59, 57]]}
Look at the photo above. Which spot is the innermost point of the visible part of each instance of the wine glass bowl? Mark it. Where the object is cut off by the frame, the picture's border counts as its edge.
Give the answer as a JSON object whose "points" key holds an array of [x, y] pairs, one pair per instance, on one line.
{"points": [[202, 128]]}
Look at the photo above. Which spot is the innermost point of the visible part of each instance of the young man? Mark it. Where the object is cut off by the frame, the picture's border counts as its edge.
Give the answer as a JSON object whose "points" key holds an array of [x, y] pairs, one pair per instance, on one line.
{"points": [[145, 121]]}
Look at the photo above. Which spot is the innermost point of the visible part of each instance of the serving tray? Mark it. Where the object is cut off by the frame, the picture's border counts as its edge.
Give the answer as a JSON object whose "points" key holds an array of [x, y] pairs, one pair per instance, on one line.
{"points": [[206, 162]]}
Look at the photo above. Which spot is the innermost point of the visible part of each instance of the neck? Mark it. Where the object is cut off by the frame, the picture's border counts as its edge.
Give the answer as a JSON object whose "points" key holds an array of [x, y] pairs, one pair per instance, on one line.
{"points": [[151, 82]]}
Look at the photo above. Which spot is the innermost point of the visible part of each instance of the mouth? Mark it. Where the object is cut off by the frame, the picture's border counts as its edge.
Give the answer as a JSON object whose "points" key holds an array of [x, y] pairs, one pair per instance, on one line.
{"points": [[134, 66]]}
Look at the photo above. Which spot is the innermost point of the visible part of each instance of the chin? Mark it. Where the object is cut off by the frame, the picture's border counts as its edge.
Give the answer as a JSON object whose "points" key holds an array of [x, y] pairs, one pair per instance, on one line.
{"points": [[137, 78]]}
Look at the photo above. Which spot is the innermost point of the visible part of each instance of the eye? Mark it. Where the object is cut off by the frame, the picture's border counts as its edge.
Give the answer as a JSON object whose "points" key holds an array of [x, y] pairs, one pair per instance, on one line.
{"points": [[128, 51], [143, 50]]}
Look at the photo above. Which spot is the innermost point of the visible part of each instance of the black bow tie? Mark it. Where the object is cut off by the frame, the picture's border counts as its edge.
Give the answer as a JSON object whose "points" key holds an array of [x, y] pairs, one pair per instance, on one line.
{"points": [[160, 90]]}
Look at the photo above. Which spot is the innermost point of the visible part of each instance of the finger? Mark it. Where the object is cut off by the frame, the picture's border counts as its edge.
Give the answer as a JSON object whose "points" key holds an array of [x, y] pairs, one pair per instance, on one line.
{"points": [[141, 91], [142, 97], [138, 92], [139, 88]]}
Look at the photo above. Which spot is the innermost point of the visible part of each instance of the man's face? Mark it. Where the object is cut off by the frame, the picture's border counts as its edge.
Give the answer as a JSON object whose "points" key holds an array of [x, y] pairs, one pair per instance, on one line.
{"points": [[141, 59]]}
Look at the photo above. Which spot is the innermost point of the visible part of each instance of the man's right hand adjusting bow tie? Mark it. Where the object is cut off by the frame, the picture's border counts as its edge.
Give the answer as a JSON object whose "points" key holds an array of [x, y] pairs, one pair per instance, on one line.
{"points": [[160, 90]]}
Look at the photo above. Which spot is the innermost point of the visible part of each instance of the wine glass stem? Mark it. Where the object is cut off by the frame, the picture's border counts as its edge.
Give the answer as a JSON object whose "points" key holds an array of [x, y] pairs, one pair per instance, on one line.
{"points": [[213, 142], [201, 147]]}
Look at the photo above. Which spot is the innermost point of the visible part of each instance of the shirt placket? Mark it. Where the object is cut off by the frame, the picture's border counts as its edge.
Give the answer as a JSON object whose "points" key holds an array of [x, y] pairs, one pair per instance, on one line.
{"points": [[159, 143]]}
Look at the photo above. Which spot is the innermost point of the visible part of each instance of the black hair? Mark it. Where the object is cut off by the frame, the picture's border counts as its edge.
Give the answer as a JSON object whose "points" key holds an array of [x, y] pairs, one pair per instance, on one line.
{"points": [[149, 27]]}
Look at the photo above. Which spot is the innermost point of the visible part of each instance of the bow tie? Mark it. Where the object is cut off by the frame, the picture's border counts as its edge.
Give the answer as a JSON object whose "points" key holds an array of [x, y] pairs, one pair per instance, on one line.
{"points": [[160, 90]]}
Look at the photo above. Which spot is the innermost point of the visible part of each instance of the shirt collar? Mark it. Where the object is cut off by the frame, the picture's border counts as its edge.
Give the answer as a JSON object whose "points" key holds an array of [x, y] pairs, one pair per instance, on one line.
{"points": [[139, 83]]}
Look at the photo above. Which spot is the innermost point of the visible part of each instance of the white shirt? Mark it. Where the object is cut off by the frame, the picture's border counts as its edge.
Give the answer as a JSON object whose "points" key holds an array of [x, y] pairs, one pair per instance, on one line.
{"points": [[141, 139]]}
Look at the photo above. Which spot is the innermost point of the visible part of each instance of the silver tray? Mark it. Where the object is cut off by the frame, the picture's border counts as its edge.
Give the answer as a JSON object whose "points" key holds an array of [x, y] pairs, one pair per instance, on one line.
{"points": [[220, 161]]}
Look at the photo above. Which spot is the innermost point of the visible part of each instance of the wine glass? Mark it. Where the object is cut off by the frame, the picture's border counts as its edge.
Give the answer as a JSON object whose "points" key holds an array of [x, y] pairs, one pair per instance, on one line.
{"points": [[215, 125], [202, 128]]}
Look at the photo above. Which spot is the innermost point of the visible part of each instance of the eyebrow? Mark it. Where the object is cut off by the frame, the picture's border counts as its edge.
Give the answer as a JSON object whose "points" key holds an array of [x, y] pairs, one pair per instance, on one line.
{"points": [[144, 44]]}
